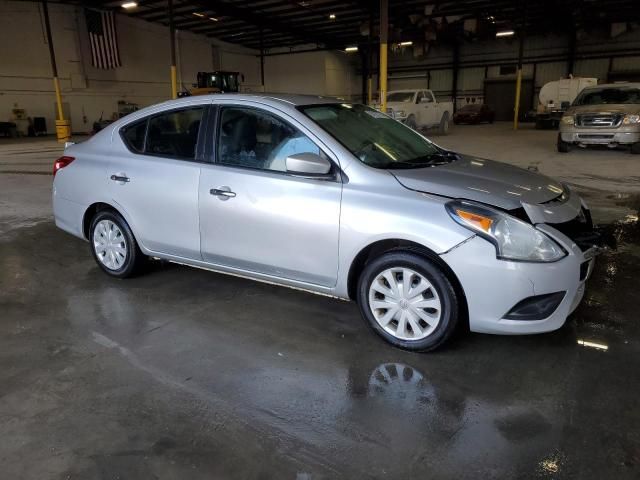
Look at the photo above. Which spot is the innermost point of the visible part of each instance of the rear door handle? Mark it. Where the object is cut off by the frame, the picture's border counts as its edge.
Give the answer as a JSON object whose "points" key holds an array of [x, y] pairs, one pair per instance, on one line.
{"points": [[119, 178], [222, 194]]}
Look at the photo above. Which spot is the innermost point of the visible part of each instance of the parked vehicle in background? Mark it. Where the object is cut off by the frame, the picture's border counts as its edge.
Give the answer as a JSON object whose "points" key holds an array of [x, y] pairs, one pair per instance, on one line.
{"points": [[556, 97], [335, 198], [603, 115], [419, 109], [474, 113]]}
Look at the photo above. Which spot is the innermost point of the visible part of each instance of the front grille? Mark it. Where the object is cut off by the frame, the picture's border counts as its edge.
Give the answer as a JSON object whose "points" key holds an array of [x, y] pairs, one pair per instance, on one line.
{"points": [[595, 136], [599, 119], [580, 230]]}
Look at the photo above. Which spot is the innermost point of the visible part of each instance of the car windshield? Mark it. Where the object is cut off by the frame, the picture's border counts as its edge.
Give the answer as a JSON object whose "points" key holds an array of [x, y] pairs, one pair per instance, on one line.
{"points": [[471, 108], [599, 96], [375, 138], [400, 97]]}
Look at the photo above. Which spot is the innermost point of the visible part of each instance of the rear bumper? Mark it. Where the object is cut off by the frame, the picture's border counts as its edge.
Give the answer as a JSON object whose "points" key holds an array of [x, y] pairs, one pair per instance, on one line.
{"points": [[68, 215], [492, 287]]}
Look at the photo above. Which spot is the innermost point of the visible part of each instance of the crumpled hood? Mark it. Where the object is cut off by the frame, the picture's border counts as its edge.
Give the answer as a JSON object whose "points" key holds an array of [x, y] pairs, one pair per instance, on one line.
{"points": [[486, 181]]}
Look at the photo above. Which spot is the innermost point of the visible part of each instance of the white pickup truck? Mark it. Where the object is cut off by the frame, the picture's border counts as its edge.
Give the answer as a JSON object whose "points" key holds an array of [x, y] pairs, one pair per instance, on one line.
{"points": [[419, 109]]}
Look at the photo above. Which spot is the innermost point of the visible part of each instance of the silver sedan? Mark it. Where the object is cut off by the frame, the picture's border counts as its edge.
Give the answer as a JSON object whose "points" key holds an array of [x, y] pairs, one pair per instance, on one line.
{"points": [[334, 198]]}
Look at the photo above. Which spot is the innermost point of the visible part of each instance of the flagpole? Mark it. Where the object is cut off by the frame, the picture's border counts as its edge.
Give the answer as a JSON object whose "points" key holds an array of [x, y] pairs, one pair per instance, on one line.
{"points": [[63, 127], [172, 34]]}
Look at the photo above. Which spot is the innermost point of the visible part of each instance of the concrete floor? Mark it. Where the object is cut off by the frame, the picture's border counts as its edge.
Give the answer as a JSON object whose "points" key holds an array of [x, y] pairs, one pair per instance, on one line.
{"points": [[183, 373]]}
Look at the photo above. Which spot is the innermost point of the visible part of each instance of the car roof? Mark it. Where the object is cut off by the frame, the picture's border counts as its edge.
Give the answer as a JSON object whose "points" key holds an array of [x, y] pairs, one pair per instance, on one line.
{"points": [[268, 98]]}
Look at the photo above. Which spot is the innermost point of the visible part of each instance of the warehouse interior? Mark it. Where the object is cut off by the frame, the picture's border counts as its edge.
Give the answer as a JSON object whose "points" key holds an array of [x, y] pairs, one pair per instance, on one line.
{"points": [[183, 373]]}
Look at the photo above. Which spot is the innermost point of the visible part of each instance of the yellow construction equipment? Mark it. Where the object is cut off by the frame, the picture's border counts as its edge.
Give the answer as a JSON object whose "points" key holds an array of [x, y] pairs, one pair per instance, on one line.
{"points": [[215, 82]]}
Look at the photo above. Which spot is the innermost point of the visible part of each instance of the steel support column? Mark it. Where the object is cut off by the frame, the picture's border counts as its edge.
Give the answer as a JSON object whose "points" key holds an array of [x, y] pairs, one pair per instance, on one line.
{"points": [[261, 59], [384, 38], [516, 108], [369, 97], [63, 127], [172, 34], [571, 55], [456, 69]]}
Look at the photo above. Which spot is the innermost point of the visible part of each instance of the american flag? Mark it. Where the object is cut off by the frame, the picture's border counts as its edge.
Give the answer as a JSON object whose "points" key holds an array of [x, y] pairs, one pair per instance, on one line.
{"points": [[103, 39]]}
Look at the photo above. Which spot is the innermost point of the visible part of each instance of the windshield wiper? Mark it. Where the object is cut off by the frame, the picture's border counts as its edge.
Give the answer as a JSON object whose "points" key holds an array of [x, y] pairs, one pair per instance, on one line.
{"points": [[438, 158]]}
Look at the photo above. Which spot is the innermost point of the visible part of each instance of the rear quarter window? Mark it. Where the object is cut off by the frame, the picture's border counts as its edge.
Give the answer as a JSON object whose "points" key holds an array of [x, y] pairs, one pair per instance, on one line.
{"points": [[133, 135]]}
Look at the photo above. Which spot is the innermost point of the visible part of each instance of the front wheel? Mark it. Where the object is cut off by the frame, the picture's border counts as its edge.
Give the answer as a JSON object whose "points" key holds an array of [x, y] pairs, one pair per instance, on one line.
{"points": [[113, 245], [563, 147], [411, 122], [444, 123], [408, 301], [635, 148]]}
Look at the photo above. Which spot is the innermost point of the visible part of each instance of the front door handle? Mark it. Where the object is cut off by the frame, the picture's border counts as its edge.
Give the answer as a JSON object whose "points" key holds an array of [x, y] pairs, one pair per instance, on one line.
{"points": [[223, 193], [120, 178]]}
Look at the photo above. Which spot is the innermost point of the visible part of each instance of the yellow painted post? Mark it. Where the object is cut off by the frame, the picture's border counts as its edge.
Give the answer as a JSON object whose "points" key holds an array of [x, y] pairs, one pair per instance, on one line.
{"points": [[172, 46], [63, 127], [383, 77], [384, 34], [174, 83], [56, 87], [516, 108]]}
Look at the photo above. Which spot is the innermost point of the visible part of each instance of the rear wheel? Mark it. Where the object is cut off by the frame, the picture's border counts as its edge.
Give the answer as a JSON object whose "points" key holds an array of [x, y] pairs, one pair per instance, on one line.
{"points": [[411, 122], [113, 245], [444, 124], [408, 301], [563, 147]]}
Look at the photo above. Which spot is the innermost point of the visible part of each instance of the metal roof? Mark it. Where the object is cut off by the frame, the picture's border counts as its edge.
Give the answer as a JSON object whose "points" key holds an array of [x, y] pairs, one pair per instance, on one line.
{"points": [[336, 24]]}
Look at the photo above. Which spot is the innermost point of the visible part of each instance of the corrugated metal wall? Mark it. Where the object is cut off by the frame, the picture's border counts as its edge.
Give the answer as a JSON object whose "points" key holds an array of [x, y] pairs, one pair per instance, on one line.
{"points": [[548, 53]]}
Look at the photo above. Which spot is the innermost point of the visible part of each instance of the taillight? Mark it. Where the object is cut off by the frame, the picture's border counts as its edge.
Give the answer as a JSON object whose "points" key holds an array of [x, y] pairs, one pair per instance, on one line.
{"points": [[61, 163]]}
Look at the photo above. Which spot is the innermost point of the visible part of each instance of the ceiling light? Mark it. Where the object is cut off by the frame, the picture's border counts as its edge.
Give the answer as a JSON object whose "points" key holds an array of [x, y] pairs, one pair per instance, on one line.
{"points": [[213, 19], [332, 16], [406, 44], [198, 14], [129, 5], [351, 49], [505, 33]]}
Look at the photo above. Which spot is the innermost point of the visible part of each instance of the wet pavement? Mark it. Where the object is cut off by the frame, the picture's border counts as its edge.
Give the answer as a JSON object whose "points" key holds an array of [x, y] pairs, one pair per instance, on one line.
{"points": [[183, 373]]}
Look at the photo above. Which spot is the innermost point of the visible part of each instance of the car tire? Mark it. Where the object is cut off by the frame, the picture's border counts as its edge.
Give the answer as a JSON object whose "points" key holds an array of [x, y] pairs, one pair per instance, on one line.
{"points": [[444, 124], [635, 148], [113, 246], [419, 318], [411, 122], [563, 147]]}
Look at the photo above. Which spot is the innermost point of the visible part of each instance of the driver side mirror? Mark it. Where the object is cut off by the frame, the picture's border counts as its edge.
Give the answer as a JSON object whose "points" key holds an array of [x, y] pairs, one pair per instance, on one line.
{"points": [[308, 165]]}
